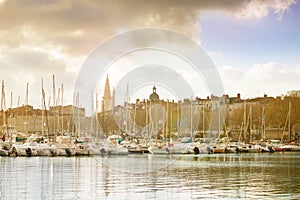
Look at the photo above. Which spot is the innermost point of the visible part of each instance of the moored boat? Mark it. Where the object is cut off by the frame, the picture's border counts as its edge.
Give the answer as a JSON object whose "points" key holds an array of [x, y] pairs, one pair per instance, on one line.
{"points": [[26, 149], [64, 150], [46, 150], [4, 148]]}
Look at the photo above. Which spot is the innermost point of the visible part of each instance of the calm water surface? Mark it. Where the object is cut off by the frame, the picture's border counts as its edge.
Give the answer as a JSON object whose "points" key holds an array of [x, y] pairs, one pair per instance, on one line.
{"points": [[228, 176]]}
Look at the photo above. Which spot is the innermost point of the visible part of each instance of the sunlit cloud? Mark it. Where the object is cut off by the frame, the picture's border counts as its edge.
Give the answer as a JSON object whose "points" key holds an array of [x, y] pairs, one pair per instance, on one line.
{"points": [[258, 9], [270, 78]]}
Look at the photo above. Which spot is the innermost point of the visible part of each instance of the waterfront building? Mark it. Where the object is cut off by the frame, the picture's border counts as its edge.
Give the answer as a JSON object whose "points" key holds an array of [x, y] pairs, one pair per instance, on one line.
{"points": [[294, 93], [56, 120], [211, 116]]}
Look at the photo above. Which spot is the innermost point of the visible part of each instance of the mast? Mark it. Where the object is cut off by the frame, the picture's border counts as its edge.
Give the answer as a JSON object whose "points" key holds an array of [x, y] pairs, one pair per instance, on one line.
{"points": [[11, 99], [191, 119], [72, 119], [156, 124], [97, 104], [26, 110], [18, 106], [126, 107], [250, 119], [78, 118], [57, 113], [2, 97], [203, 119], [245, 118], [219, 120], [54, 99], [178, 120], [10, 115], [3, 107], [287, 123], [134, 119], [167, 119], [43, 100], [151, 124], [171, 121], [263, 123], [147, 125], [62, 108], [53, 89], [92, 110], [126, 117], [45, 110], [289, 114], [47, 114]]}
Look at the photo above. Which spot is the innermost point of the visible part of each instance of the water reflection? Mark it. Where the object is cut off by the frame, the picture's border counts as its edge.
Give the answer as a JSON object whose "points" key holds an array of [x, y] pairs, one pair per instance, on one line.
{"points": [[223, 176]]}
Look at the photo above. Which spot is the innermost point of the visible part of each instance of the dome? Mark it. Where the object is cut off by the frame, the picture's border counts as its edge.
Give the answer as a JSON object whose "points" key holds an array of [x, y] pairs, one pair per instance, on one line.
{"points": [[154, 96]]}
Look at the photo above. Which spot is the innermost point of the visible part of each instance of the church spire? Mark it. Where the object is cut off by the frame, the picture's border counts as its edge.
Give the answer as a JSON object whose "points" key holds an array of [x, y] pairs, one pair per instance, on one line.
{"points": [[107, 93], [107, 99]]}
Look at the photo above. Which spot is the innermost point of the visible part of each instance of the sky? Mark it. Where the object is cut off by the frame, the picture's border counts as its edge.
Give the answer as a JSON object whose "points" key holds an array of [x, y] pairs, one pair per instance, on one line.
{"points": [[253, 44]]}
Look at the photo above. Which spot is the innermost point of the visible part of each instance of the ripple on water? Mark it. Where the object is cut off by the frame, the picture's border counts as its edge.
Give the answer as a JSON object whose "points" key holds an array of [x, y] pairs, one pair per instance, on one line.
{"points": [[229, 176]]}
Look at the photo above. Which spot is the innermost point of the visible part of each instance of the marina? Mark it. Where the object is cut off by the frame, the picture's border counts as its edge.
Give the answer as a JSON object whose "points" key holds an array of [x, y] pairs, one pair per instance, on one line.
{"points": [[125, 147], [151, 126]]}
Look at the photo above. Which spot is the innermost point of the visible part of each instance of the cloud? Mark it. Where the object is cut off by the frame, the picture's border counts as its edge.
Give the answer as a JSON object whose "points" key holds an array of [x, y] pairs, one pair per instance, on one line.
{"points": [[79, 26], [232, 79], [24, 65], [40, 38], [259, 9], [231, 73], [267, 71], [271, 78]]}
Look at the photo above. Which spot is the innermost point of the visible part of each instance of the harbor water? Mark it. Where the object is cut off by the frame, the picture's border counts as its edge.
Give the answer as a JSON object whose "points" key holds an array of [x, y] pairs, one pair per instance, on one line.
{"points": [[146, 176]]}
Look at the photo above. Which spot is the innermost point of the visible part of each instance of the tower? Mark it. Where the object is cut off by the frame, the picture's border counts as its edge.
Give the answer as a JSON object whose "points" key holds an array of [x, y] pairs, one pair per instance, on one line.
{"points": [[107, 99], [154, 96]]}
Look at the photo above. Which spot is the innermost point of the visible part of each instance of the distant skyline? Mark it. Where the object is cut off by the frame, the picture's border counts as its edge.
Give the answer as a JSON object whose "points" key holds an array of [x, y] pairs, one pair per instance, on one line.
{"points": [[254, 44]]}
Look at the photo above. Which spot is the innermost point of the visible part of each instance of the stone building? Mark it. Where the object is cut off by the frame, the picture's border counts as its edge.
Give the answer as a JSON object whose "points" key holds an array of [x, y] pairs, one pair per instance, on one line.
{"points": [[56, 120], [108, 99]]}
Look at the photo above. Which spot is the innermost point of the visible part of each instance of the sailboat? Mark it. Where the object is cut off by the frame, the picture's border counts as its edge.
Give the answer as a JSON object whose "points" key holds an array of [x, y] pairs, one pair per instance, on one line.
{"points": [[287, 147], [248, 146]]}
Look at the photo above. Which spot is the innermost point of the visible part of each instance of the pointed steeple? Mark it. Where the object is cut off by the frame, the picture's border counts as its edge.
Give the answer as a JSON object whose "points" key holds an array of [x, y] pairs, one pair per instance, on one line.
{"points": [[107, 93], [106, 98]]}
